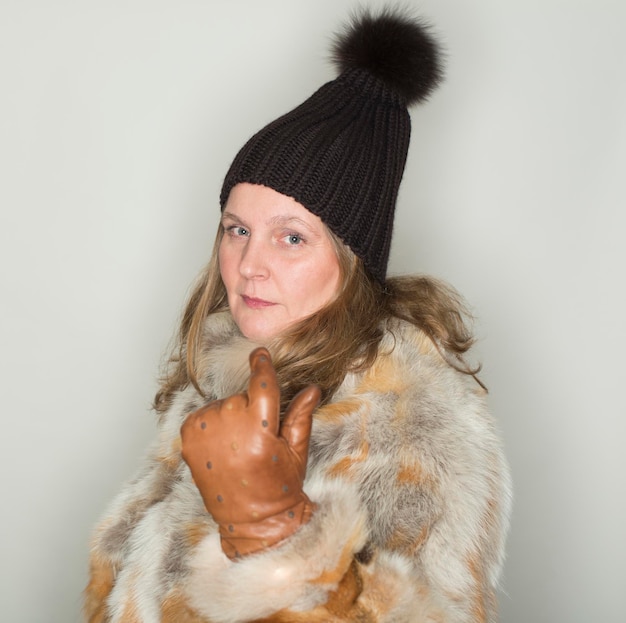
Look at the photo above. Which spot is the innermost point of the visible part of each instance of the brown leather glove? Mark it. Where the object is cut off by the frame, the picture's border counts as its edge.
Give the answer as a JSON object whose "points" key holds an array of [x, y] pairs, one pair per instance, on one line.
{"points": [[250, 469]]}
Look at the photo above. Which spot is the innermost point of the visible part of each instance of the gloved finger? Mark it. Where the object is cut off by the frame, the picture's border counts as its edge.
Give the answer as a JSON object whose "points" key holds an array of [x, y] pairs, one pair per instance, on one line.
{"points": [[296, 427], [263, 391]]}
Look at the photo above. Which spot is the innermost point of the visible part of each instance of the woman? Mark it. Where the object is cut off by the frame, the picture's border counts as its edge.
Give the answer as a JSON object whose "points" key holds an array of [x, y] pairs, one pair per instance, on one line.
{"points": [[336, 461]]}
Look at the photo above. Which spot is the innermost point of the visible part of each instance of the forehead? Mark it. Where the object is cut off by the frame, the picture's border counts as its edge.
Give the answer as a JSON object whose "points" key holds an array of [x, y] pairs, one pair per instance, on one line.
{"points": [[262, 204]]}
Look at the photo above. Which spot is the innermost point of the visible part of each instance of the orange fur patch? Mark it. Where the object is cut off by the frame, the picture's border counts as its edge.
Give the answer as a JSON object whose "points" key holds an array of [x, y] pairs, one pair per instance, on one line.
{"points": [[175, 610], [101, 579], [344, 466], [479, 607], [130, 614], [410, 474], [195, 532], [333, 576], [318, 615], [413, 474], [380, 593], [490, 518], [337, 410], [401, 542], [342, 600], [383, 378], [173, 457]]}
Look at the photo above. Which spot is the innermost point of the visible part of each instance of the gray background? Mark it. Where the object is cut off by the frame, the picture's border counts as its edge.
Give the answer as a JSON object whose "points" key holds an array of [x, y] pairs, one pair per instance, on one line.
{"points": [[117, 123]]}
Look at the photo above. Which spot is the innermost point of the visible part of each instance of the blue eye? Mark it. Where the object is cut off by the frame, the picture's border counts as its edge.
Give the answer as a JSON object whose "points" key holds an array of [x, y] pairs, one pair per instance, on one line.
{"points": [[237, 230], [294, 239]]}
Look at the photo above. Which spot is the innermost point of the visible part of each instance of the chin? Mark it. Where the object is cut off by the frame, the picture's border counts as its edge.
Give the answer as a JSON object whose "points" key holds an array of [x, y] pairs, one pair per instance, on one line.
{"points": [[260, 326], [256, 333]]}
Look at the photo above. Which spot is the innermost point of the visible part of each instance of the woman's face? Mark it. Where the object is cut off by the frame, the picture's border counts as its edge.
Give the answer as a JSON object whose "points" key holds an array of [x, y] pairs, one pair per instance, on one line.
{"points": [[277, 261]]}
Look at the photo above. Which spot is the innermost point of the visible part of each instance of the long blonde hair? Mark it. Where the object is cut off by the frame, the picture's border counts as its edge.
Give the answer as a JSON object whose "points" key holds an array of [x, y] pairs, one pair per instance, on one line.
{"points": [[344, 336]]}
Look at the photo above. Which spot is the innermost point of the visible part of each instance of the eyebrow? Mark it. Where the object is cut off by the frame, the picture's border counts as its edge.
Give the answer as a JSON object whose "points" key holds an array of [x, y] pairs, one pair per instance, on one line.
{"points": [[229, 215]]}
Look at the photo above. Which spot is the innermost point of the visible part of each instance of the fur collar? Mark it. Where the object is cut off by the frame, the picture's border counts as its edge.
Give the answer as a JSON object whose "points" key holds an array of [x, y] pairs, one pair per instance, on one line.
{"points": [[224, 361]]}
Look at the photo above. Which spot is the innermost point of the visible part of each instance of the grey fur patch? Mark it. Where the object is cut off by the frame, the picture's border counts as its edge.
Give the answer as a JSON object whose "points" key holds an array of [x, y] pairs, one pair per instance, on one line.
{"points": [[174, 562], [115, 539]]}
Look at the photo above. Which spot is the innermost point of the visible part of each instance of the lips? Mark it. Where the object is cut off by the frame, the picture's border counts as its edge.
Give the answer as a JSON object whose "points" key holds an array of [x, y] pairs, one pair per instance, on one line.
{"points": [[254, 303]]}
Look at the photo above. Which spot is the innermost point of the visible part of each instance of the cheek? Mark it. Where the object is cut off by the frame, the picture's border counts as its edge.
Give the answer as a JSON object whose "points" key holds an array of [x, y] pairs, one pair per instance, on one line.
{"points": [[322, 285], [330, 284], [226, 264]]}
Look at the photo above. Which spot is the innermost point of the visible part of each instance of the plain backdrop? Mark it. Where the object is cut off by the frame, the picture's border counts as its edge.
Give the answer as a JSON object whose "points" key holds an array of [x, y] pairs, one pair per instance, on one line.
{"points": [[118, 121]]}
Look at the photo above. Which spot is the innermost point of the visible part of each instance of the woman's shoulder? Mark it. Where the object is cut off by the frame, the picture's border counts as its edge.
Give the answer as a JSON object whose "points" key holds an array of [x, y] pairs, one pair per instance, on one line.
{"points": [[413, 355], [405, 339], [409, 395]]}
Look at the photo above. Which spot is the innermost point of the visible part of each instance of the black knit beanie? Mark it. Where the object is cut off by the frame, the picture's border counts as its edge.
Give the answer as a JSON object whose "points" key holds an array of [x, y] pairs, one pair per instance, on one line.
{"points": [[341, 153]]}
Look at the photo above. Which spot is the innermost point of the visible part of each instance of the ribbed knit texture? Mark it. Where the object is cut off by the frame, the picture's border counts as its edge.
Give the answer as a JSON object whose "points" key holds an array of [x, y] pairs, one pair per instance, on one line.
{"points": [[341, 154]]}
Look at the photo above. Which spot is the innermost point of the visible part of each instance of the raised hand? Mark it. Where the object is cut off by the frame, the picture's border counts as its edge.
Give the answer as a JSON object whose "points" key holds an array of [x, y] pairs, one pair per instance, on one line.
{"points": [[248, 467]]}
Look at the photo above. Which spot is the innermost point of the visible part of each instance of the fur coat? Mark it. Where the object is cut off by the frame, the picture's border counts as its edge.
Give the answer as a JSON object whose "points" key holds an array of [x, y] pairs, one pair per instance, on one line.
{"points": [[412, 495]]}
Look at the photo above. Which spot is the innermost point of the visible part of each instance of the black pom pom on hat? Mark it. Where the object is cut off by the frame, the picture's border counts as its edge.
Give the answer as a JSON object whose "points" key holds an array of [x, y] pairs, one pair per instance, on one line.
{"points": [[342, 152], [396, 48]]}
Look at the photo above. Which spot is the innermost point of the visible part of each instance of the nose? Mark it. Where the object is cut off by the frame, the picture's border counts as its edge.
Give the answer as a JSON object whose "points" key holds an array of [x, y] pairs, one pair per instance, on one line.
{"points": [[255, 260]]}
